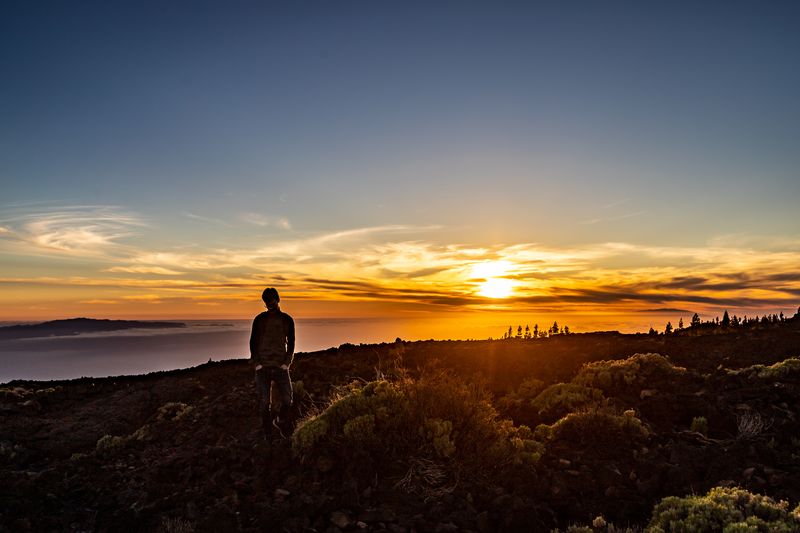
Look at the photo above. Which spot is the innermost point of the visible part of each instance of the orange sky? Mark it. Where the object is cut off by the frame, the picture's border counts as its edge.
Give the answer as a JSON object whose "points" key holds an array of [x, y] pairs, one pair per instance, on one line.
{"points": [[100, 269]]}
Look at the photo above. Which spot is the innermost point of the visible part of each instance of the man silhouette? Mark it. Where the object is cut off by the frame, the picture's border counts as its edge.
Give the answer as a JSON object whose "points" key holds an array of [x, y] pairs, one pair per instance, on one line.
{"points": [[271, 353]]}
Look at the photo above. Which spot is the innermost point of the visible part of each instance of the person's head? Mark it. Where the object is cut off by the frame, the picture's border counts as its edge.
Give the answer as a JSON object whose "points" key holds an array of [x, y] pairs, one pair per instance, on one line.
{"points": [[270, 297]]}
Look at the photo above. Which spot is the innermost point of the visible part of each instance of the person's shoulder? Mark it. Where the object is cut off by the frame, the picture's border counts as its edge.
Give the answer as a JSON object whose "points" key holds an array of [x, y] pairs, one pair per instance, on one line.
{"points": [[287, 317], [260, 316]]}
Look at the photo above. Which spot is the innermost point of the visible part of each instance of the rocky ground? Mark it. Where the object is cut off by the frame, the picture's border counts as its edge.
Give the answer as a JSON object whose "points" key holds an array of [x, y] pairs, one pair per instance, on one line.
{"points": [[183, 450]]}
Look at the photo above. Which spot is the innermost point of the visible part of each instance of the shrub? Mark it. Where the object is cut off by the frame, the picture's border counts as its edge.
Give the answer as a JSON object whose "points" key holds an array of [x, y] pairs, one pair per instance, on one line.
{"points": [[109, 444], [176, 525], [376, 399], [788, 368], [360, 429], [561, 399], [438, 432], [700, 425], [529, 389], [727, 510], [173, 411], [635, 372], [437, 419], [751, 424], [594, 429]]}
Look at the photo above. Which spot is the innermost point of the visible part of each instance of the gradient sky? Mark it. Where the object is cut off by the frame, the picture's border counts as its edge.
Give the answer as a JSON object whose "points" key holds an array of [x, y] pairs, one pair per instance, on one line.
{"points": [[170, 159]]}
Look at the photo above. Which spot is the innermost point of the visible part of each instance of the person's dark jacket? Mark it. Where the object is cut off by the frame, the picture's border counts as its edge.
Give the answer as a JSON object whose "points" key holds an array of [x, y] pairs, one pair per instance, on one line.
{"points": [[272, 339]]}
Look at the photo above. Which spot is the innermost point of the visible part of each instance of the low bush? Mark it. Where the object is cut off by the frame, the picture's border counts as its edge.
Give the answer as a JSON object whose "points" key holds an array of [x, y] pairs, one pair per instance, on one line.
{"points": [[788, 368], [633, 373], [700, 425], [521, 398], [173, 411], [726, 510], [109, 444], [556, 401], [604, 431], [438, 419]]}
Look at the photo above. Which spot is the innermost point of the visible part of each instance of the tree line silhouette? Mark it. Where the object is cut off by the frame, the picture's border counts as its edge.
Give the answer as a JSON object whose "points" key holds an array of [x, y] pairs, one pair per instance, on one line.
{"points": [[727, 322], [536, 332]]}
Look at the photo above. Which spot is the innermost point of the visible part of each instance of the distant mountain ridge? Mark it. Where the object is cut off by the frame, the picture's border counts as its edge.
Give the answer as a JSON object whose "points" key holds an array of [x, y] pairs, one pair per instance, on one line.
{"points": [[76, 326]]}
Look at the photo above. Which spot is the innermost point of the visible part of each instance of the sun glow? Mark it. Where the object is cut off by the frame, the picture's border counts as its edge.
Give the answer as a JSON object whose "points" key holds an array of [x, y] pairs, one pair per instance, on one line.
{"points": [[495, 285], [497, 288]]}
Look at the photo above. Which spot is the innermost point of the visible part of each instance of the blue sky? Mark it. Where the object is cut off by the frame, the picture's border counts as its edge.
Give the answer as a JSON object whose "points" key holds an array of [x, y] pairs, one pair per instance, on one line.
{"points": [[218, 128]]}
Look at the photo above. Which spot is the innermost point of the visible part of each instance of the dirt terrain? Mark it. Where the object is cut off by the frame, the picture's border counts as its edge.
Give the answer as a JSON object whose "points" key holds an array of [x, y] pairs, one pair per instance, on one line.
{"points": [[183, 450]]}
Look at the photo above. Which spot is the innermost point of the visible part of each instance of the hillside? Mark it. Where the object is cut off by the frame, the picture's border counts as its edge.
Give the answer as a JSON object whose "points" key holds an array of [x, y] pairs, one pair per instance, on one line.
{"points": [[422, 436]]}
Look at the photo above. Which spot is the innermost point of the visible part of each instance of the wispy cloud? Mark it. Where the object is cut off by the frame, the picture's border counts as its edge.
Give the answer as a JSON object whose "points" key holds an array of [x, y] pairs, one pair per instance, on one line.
{"points": [[617, 203], [73, 229], [597, 220], [145, 270], [208, 220], [257, 219]]}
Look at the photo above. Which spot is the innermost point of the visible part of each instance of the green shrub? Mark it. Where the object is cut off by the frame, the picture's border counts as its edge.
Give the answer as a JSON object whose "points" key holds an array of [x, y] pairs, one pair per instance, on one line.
{"points": [[360, 429], [594, 429], [561, 399], [727, 510], [173, 411], [700, 425], [436, 418], [781, 370], [526, 449], [529, 389], [376, 399], [438, 433], [637, 371], [109, 444]]}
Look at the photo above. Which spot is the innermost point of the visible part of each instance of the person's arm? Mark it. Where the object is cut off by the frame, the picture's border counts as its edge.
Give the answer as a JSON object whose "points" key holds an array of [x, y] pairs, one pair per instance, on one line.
{"points": [[254, 341], [289, 341]]}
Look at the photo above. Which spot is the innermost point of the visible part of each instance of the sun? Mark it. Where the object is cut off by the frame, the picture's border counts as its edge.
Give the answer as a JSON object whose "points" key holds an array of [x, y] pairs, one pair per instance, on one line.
{"points": [[497, 288], [495, 284]]}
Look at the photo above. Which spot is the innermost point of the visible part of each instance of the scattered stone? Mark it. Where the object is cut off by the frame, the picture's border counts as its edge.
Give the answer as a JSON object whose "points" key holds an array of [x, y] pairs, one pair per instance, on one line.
{"points": [[32, 405], [340, 520], [380, 514], [324, 464], [483, 523]]}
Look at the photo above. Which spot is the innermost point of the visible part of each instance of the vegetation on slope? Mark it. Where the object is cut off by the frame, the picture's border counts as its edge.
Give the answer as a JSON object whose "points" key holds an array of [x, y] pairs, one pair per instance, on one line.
{"points": [[403, 435]]}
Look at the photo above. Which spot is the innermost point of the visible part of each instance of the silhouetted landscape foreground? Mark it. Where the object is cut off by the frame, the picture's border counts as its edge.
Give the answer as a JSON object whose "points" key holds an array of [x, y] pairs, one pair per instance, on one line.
{"points": [[688, 432]]}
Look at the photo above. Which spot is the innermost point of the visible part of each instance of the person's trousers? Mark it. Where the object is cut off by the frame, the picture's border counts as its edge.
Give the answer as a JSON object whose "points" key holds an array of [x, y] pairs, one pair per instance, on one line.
{"points": [[265, 377]]}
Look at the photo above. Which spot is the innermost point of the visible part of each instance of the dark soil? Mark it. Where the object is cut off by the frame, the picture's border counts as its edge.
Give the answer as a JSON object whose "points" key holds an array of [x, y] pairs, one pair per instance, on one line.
{"points": [[191, 456]]}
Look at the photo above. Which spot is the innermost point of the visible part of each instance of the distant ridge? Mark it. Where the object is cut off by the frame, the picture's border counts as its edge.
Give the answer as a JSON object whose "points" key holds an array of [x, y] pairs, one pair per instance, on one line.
{"points": [[76, 326]]}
